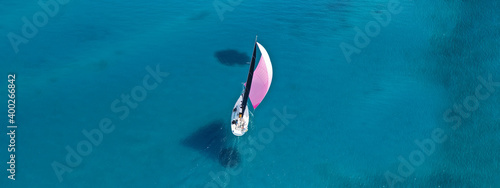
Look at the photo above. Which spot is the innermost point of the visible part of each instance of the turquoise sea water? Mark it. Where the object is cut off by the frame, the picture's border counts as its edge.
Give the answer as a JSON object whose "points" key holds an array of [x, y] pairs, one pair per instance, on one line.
{"points": [[326, 122]]}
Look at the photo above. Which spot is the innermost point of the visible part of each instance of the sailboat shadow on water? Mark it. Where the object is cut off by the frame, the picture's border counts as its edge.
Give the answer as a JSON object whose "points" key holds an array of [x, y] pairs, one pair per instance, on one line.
{"points": [[214, 141]]}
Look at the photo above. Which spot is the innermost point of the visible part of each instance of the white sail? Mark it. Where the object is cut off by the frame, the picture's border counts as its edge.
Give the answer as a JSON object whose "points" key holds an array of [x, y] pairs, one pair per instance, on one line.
{"points": [[262, 78]]}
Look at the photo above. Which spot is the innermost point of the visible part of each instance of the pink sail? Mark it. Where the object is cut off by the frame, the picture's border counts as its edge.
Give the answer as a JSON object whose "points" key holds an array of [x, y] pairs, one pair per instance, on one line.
{"points": [[262, 78]]}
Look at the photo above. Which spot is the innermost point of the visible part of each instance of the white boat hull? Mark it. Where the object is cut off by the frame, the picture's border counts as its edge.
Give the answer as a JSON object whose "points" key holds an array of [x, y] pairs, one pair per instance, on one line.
{"points": [[239, 126]]}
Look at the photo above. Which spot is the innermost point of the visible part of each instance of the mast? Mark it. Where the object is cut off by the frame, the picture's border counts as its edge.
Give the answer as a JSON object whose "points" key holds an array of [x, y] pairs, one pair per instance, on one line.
{"points": [[249, 80]]}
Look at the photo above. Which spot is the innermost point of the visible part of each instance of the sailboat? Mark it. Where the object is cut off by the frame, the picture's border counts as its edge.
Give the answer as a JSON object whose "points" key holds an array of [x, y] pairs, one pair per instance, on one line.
{"points": [[258, 82]]}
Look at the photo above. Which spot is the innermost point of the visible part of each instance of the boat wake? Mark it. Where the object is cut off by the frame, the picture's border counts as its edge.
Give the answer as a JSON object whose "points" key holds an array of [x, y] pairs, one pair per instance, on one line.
{"points": [[214, 141]]}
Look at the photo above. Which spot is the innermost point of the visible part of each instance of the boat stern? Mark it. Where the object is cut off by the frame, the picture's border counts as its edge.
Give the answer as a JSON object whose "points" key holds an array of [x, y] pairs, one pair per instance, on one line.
{"points": [[239, 127], [239, 120]]}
